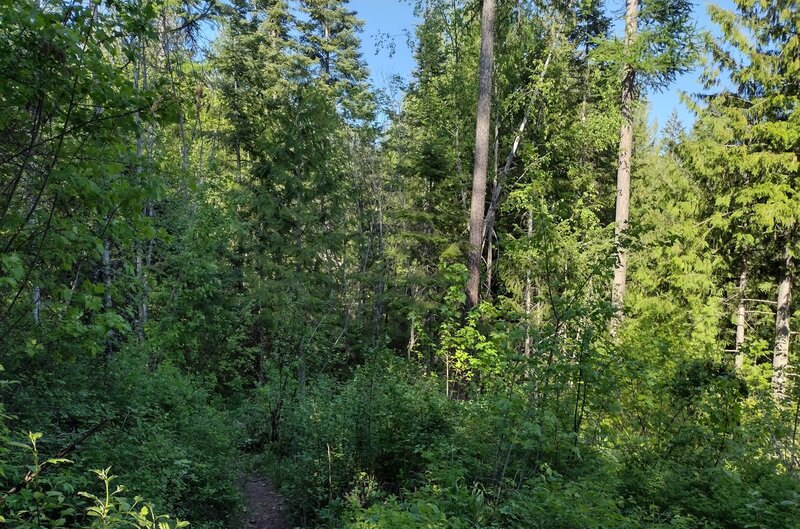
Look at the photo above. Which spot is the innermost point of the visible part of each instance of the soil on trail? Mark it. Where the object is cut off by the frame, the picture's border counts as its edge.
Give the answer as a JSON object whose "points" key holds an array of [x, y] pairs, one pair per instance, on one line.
{"points": [[266, 509]]}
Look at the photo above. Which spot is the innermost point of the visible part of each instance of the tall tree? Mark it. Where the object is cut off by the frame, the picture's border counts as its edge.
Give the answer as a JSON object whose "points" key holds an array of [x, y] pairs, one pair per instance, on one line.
{"points": [[481, 163], [329, 41], [741, 318], [783, 313], [658, 44], [624, 165], [744, 150]]}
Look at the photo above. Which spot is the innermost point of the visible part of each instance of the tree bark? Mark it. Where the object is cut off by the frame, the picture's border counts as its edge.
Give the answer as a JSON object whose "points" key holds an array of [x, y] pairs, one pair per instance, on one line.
{"points": [[624, 169], [380, 284], [487, 236], [480, 168], [36, 292], [780, 359], [36, 298], [412, 340], [139, 83], [528, 288], [107, 301], [741, 313]]}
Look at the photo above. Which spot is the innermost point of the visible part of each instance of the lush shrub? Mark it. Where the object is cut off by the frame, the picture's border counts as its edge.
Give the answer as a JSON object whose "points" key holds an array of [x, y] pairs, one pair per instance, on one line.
{"points": [[48, 500], [392, 514], [387, 448], [161, 431], [358, 440]]}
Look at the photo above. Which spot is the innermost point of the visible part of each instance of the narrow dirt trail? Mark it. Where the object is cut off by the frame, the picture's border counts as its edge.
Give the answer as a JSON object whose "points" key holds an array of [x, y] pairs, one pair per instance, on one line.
{"points": [[266, 509]]}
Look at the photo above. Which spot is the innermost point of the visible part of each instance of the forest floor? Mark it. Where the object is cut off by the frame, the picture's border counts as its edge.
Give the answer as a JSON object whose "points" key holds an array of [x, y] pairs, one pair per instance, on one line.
{"points": [[266, 508]]}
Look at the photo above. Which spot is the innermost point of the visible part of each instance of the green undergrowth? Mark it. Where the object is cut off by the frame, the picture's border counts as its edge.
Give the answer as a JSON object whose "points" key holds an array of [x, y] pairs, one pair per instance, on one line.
{"points": [[388, 449], [162, 433]]}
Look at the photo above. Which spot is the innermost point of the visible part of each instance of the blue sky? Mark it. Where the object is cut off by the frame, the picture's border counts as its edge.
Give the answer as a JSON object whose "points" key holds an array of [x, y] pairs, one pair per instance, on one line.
{"points": [[387, 21], [395, 19], [662, 104]]}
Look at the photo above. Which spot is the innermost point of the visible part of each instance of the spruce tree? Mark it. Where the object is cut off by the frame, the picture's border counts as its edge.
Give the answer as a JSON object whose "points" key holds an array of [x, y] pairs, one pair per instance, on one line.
{"points": [[658, 45], [745, 146]]}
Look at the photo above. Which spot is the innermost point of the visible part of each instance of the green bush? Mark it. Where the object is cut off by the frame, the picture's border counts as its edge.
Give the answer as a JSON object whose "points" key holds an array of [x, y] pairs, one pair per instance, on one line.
{"points": [[42, 499], [361, 439], [162, 432]]}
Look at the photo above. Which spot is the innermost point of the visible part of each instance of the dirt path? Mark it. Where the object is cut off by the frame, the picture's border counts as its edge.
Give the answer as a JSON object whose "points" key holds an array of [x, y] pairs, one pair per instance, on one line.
{"points": [[266, 508]]}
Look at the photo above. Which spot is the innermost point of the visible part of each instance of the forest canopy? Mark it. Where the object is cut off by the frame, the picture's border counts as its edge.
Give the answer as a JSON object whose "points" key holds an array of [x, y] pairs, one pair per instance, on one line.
{"points": [[503, 300]]}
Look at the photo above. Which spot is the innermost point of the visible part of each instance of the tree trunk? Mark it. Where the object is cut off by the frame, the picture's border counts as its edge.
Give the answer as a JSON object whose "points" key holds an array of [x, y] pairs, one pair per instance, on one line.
{"points": [[741, 313], [412, 340], [139, 79], [528, 288], [489, 268], [482, 126], [36, 291], [149, 213], [107, 301], [624, 169], [36, 298], [497, 188], [140, 304], [487, 235], [780, 359]]}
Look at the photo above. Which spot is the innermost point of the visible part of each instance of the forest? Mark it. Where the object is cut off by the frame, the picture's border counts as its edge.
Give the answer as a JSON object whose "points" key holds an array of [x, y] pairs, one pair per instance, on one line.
{"points": [[494, 296]]}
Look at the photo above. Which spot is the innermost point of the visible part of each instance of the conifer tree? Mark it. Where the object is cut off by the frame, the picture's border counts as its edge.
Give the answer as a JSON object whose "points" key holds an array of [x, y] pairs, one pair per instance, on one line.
{"points": [[746, 144], [330, 42], [657, 46]]}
